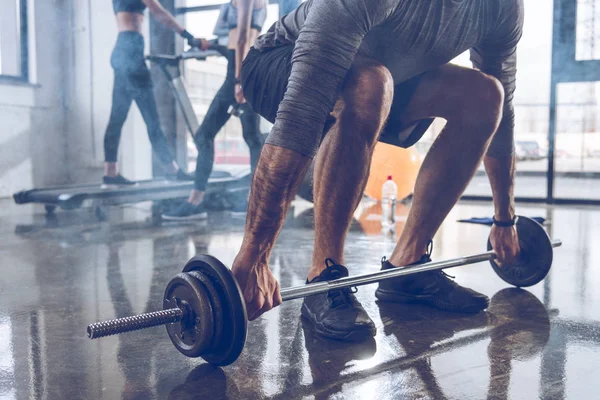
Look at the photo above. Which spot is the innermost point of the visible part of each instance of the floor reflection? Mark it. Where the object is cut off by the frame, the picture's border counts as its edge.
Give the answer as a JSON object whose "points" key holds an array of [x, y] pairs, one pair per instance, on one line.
{"points": [[60, 274]]}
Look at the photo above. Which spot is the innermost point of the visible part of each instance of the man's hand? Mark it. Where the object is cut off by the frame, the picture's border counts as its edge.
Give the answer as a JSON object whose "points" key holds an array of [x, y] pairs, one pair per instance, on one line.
{"points": [[259, 287], [239, 94], [505, 242]]}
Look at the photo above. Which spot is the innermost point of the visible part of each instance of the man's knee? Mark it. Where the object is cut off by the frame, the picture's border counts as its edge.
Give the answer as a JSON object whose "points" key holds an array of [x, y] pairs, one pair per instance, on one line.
{"points": [[368, 94], [484, 102]]}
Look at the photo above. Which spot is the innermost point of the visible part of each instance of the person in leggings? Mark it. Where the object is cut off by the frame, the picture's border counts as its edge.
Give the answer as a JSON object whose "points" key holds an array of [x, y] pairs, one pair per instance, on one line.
{"points": [[244, 19], [133, 82]]}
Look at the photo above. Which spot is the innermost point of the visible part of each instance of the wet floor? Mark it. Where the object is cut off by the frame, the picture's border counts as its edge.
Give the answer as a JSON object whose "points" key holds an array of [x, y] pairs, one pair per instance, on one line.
{"points": [[60, 274]]}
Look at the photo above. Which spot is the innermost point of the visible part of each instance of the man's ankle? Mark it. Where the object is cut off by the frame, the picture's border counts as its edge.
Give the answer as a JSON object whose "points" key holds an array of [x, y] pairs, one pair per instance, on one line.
{"points": [[315, 271], [404, 261]]}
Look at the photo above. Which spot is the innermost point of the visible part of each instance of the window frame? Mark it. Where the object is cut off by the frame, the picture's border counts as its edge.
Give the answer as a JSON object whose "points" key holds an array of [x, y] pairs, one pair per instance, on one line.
{"points": [[23, 76]]}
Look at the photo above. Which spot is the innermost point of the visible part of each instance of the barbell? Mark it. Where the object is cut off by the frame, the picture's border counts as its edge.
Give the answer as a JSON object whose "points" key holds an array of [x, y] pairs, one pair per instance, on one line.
{"points": [[205, 313]]}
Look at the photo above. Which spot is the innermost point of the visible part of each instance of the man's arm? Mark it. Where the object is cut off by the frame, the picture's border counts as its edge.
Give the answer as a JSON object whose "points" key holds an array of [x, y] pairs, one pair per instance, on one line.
{"points": [[498, 57], [324, 52]]}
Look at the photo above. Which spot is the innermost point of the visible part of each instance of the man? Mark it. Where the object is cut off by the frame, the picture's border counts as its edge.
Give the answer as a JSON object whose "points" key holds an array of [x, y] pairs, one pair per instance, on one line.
{"points": [[335, 76]]}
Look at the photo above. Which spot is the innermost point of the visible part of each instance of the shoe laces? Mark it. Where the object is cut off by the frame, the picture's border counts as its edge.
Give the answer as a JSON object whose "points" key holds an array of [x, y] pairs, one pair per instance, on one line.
{"points": [[342, 296], [444, 279]]}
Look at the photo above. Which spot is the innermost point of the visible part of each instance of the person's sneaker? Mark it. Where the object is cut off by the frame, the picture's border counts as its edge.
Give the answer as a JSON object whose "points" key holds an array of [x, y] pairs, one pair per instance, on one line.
{"points": [[432, 288], [185, 211], [337, 314], [118, 180], [180, 175]]}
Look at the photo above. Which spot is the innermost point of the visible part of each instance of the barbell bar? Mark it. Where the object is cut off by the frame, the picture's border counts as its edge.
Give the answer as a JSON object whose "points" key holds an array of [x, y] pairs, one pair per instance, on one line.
{"points": [[205, 313]]}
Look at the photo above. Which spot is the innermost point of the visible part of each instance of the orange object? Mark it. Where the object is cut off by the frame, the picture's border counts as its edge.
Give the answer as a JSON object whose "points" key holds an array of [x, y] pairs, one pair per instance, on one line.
{"points": [[402, 164]]}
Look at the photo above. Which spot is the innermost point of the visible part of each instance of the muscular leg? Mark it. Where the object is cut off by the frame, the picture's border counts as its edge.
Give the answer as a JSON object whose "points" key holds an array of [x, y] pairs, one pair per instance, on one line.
{"points": [[471, 103], [344, 158]]}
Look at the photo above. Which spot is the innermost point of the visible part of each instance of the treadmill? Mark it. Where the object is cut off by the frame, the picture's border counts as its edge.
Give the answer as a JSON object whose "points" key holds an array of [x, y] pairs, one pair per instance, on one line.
{"points": [[228, 180]]}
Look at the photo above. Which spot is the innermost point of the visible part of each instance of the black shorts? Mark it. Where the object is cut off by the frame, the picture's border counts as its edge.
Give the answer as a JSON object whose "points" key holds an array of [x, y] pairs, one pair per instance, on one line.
{"points": [[265, 77]]}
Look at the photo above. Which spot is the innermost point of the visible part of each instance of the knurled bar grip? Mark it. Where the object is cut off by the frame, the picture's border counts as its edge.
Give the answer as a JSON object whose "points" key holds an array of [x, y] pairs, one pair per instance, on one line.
{"points": [[134, 323]]}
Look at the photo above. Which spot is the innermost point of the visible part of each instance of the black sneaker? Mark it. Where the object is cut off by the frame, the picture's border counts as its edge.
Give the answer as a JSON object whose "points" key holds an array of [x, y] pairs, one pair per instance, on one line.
{"points": [[185, 211], [118, 180], [180, 175], [337, 314], [432, 288]]}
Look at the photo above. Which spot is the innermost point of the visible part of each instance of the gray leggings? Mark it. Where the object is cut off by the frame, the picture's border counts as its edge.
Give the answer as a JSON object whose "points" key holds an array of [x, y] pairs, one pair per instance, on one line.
{"points": [[215, 119], [133, 82]]}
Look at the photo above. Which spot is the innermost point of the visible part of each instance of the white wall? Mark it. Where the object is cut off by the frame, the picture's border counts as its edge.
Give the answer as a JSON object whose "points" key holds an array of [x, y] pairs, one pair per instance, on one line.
{"points": [[32, 143], [51, 131]]}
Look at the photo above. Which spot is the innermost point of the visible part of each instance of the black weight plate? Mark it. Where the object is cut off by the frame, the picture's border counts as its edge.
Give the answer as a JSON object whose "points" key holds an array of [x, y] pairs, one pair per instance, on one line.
{"points": [[192, 335], [535, 259], [234, 317], [216, 303]]}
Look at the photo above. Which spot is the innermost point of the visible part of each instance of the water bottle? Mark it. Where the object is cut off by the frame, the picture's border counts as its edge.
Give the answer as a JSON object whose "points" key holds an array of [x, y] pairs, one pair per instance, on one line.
{"points": [[388, 204]]}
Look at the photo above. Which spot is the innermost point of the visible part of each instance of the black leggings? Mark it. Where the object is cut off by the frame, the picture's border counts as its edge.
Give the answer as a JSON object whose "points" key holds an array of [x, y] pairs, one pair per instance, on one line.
{"points": [[133, 82], [214, 120]]}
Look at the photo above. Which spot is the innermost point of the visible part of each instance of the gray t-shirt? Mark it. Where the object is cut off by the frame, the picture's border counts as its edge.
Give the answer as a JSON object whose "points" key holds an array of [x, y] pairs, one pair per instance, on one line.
{"points": [[409, 37]]}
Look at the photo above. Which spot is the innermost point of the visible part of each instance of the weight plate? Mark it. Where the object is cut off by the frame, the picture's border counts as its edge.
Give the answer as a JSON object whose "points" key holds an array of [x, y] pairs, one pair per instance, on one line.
{"points": [[233, 316], [535, 259], [194, 333], [216, 304]]}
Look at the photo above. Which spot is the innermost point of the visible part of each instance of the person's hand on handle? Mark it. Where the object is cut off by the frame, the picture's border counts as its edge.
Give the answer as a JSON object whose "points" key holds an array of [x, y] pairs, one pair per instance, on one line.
{"points": [[259, 287], [239, 93], [200, 43], [192, 41], [505, 242]]}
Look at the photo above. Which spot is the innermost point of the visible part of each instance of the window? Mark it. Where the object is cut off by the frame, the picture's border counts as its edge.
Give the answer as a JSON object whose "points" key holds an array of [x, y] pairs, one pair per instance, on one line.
{"points": [[588, 30], [13, 39]]}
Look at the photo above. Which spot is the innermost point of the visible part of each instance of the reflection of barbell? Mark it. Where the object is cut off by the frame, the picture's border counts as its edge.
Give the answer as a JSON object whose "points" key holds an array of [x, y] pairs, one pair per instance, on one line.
{"points": [[205, 313]]}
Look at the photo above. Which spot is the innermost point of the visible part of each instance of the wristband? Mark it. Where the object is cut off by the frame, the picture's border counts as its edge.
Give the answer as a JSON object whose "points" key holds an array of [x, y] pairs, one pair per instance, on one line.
{"points": [[186, 35], [505, 224], [238, 81]]}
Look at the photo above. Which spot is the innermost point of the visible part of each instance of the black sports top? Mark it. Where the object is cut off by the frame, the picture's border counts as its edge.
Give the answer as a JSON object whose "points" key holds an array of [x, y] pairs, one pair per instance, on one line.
{"points": [[135, 6]]}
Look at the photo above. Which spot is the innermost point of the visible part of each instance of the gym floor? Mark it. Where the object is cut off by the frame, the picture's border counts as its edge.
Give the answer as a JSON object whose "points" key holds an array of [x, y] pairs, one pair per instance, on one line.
{"points": [[62, 273]]}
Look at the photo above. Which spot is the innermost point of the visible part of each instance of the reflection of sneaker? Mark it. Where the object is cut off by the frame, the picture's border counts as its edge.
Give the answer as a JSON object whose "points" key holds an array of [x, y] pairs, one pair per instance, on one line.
{"points": [[337, 314], [180, 175], [432, 288], [117, 180], [185, 211]]}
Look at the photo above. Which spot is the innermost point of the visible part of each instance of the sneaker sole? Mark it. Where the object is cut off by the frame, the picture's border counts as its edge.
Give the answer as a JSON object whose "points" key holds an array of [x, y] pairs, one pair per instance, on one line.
{"points": [[395, 297], [187, 218], [358, 335]]}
